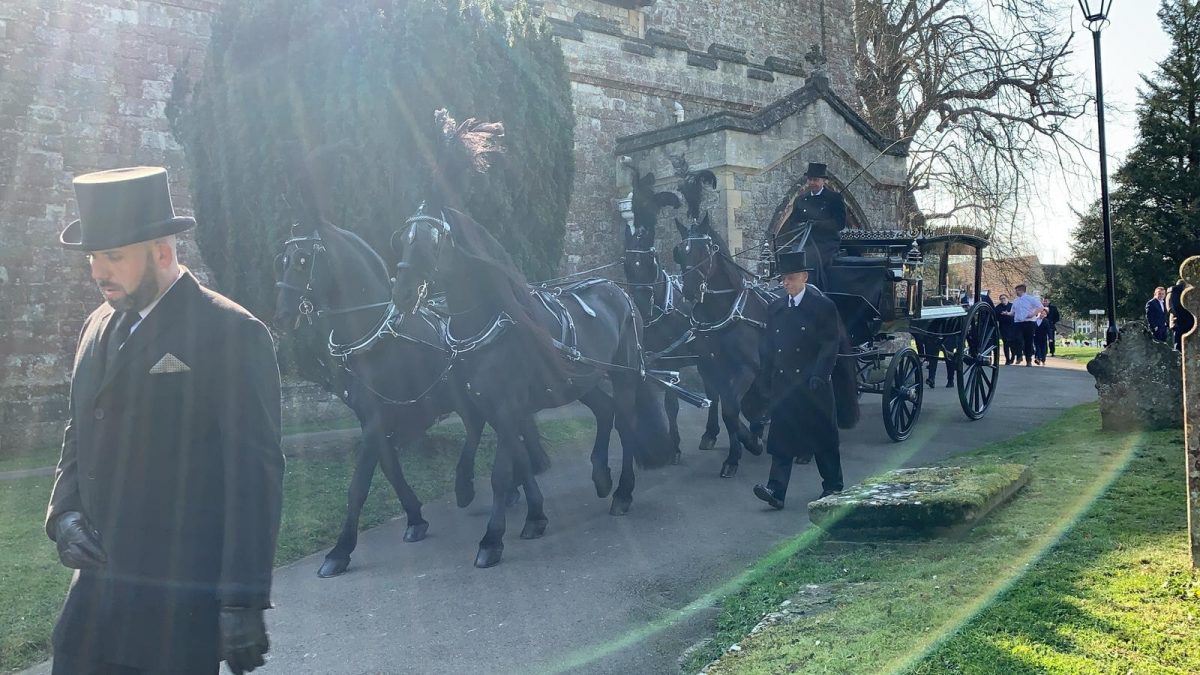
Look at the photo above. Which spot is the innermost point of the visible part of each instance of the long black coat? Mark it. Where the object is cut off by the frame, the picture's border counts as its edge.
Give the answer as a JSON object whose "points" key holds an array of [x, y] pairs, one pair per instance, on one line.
{"points": [[800, 343], [827, 211], [173, 454], [1008, 329]]}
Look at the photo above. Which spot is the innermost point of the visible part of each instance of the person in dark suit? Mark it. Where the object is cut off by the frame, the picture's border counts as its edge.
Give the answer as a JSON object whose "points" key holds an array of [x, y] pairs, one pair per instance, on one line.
{"points": [[825, 209], [167, 497], [798, 354], [1051, 322], [1181, 320], [1156, 314], [1008, 331]]}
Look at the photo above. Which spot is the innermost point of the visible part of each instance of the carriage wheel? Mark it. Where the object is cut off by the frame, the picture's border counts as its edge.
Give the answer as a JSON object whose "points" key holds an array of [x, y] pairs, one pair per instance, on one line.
{"points": [[903, 390], [978, 361]]}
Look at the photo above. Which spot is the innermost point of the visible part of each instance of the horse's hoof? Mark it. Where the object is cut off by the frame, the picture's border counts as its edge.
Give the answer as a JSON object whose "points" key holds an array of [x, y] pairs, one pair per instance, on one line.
{"points": [[678, 459], [534, 528], [415, 532], [513, 498], [465, 494], [620, 505], [488, 557], [754, 447], [602, 478], [333, 567], [708, 442], [728, 470]]}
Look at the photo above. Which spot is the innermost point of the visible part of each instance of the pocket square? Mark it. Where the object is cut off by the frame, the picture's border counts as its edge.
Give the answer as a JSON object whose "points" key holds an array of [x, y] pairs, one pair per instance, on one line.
{"points": [[169, 363]]}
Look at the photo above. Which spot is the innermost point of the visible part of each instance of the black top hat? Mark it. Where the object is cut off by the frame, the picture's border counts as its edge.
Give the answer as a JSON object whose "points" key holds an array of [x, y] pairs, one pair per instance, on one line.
{"points": [[792, 260], [816, 170], [122, 207]]}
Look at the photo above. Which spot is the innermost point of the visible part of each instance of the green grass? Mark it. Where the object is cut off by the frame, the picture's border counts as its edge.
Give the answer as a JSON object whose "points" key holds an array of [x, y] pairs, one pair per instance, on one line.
{"points": [[1080, 354], [36, 458], [1086, 571], [33, 583]]}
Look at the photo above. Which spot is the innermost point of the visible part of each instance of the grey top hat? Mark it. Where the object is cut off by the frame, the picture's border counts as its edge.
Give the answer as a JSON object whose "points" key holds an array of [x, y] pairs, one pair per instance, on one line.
{"points": [[121, 207], [792, 260], [816, 170]]}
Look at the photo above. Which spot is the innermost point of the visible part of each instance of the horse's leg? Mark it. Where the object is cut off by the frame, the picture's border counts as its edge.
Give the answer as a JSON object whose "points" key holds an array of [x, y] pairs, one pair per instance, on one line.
{"points": [[535, 516], [338, 559], [625, 400], [389, 461], [601, 405], [671, 404], [464, 472], [491, 547], [712, 428], [731, 413]]}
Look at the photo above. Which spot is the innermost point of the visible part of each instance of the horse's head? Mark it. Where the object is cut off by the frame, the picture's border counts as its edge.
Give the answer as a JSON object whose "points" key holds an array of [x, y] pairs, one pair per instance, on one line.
{"points": [[423, 249], [641, 264], [324, 269], [696, 255], [297, 277]]}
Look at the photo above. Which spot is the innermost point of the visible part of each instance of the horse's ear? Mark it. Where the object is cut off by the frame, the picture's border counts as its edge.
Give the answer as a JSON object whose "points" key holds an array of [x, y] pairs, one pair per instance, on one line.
{"points": [[683, 231], [665, 199]]}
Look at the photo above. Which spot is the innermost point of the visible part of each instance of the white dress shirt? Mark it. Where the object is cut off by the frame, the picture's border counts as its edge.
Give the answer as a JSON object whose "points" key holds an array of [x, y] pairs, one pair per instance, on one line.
{"points": [[794, 300], [1025, 306], [145, 311]]}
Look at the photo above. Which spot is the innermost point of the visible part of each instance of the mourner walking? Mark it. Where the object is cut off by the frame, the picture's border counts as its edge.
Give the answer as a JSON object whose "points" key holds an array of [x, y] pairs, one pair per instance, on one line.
{"points": [[825, 209], [1026, 309], [798, 354], [167, 497], [1052, 318], [1181, 320], [1008, 332]]}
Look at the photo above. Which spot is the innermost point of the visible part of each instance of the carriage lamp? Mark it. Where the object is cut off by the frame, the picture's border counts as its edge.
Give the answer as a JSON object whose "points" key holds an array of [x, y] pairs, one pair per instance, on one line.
{"points": [[914, 263], [1095, 18], [625, 206]]}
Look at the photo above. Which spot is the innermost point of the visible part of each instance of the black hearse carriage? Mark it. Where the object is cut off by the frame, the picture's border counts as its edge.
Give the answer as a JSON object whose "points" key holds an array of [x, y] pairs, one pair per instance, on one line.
{"points": [[887, 284]]}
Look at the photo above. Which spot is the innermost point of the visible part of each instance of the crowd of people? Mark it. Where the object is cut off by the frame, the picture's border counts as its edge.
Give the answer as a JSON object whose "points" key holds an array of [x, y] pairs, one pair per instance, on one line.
{"points": [[1027, 326]]}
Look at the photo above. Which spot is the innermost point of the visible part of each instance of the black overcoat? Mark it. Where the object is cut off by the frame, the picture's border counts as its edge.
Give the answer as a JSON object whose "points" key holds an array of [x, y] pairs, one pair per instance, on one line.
{"points": [[827, 211], [1008, 329], [173, 454], [800, 343]]}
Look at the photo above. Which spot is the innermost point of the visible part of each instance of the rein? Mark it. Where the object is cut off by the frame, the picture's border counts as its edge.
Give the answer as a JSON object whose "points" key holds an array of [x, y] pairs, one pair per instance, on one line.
{"points": [[737, 306]]}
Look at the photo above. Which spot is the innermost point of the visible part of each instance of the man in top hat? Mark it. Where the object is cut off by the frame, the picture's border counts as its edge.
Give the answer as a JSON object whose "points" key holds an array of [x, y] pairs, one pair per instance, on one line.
{"points": [[167, 497], [798, 354], [825, 209]]}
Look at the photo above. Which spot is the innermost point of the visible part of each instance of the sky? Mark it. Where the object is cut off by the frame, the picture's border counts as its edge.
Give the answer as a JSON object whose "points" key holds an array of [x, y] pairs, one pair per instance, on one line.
{"points": [[1131, 45]]}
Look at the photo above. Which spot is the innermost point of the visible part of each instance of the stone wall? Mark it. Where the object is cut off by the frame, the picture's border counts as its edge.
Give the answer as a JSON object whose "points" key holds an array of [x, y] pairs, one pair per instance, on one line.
{"points": [[85, 83]]}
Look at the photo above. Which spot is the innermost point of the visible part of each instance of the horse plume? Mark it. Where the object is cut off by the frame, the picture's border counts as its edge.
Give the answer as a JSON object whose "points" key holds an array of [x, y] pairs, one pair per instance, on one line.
{"points": [[692, 189], [463, 148]]}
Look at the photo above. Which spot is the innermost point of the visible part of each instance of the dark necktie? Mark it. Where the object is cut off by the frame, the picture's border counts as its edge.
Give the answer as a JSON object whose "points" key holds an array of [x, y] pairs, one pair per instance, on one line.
{"points": [[123, 323]]}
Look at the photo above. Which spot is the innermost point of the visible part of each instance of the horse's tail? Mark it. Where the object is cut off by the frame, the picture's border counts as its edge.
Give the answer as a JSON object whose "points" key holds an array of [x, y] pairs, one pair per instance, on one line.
{"points": [[654, 448]]}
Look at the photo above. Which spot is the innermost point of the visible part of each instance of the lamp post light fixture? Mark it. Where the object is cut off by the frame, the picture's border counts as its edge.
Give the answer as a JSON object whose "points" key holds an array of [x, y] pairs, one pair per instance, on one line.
{"points": [[1095, 18]]}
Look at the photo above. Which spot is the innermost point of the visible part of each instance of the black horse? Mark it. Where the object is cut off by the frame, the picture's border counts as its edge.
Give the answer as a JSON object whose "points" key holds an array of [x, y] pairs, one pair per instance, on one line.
{"points": [[659, 298], [728, 316], [513, 366], [334, 294]]}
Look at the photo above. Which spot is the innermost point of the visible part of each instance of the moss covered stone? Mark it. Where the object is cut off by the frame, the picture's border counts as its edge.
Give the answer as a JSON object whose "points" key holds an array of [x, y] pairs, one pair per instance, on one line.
{"points": [[927, 500]]}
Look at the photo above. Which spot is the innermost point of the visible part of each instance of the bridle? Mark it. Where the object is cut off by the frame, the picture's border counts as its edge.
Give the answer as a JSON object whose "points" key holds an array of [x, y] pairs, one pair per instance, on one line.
{"points": [[737, 305], [703, 267], [439, 231], [308, 306]]}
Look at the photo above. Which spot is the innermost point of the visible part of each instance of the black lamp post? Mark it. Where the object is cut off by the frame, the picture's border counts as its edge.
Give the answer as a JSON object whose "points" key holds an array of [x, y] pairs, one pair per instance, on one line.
{"points": [[1095, 18]]}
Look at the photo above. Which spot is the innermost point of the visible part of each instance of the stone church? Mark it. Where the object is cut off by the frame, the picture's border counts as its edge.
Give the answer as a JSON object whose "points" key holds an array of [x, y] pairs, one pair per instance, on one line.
{"points": [[750, 89]]}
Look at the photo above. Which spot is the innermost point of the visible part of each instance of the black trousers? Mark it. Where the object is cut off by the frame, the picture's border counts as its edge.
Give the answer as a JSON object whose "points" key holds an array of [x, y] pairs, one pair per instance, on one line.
{"points": [[829, 466], [1027, 330]]}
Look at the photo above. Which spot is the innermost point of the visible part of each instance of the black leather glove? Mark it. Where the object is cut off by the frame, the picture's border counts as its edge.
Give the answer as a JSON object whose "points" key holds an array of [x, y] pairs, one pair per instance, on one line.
{"points": [[243, 638], [78, 544], [815, 383]]}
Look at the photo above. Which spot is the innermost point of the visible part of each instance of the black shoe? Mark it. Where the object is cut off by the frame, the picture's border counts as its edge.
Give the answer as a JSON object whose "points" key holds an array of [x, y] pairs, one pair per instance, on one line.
{"points": [[826, 493], [930, 383], [764, 493], [950, 384]]}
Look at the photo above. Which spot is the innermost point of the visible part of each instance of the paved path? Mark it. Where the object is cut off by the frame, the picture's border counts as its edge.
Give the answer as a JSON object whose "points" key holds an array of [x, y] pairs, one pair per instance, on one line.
{"points": [[599, 594]]}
